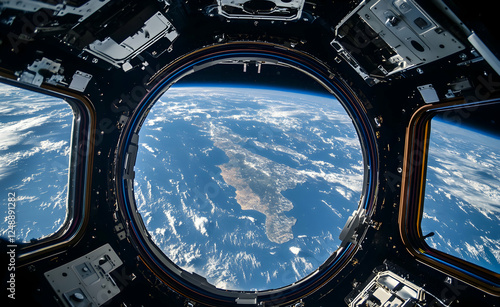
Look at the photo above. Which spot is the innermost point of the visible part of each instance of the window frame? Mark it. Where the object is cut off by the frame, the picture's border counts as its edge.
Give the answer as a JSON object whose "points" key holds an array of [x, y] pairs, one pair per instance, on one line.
{"points": [[194, 286], [79, 172], [417, 140]]}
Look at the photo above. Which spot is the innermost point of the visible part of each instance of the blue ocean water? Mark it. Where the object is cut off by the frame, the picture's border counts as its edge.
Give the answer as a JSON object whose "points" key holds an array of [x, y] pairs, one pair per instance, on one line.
{"points": [[462, 202], [192, 213], [35, 134]]}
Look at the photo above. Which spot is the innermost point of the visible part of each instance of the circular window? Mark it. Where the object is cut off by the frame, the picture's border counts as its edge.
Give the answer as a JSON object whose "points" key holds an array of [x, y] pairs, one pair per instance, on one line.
{"points": [[238, 193], [247, 187]]}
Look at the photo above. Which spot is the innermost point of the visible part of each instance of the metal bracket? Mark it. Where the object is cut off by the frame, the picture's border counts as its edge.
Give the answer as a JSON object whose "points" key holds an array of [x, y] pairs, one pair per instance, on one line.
{"points": [[349, 232], [428, 93], [86, 281], [85, 10], [80, 81], [120, 53], [41, 70], [263, 9]]}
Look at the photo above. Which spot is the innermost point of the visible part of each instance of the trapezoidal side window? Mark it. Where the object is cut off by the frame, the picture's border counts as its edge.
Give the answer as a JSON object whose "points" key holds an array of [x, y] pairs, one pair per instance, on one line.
{"points": [[450, 213], [44, 139]]}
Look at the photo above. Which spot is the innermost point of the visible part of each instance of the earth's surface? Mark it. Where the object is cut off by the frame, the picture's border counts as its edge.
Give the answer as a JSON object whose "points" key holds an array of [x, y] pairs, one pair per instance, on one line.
{"points": [[462, 196], [247, 187], [35, 138]]}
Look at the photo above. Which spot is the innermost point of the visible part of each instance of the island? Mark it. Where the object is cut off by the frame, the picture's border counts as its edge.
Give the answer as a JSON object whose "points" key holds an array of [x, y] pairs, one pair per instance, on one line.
{"points": [[258, 182]]}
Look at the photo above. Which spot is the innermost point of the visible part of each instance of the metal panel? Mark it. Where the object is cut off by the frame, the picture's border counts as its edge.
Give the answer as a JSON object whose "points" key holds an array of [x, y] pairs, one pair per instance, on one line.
{"points": [[86, 280], [263, 9], [118, 54]]}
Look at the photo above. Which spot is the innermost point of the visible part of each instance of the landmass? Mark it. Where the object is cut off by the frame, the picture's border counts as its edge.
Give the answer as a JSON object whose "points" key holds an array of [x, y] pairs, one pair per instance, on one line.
{"points": [[258, 182]]}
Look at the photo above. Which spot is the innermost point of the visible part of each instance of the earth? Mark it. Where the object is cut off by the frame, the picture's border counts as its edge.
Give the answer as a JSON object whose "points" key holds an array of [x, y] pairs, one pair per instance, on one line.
{"points": [[247, 187], [462, 194], [35, 137]]}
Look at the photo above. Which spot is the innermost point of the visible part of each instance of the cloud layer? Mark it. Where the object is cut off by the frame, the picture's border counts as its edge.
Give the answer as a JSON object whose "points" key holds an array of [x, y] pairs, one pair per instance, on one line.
{"points": [[192, 213]]}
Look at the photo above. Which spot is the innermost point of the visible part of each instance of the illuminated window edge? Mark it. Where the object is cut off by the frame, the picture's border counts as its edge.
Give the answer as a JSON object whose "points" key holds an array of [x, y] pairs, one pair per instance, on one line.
{"points": [[193, 286], [79, 171], [413, 194]]}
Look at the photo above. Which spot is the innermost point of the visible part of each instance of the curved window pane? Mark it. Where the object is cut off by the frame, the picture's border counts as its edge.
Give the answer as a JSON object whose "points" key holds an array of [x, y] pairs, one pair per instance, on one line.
{"points": [[247, 187], [35, 138], [462, 194]]}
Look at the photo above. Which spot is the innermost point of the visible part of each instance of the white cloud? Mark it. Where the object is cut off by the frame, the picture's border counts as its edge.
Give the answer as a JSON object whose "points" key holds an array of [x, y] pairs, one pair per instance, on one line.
{"points": [[295, 250], [15, 132], [493, 246], [148, 147], [466, 175], [171, 221], [427, 216], [250, 218], [243, 253], [199, 224]]}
